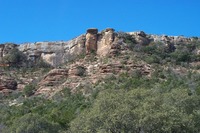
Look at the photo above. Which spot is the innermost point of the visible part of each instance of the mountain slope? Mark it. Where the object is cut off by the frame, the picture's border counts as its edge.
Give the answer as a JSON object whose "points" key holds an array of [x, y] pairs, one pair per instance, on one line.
{"points": [[102, 82]]}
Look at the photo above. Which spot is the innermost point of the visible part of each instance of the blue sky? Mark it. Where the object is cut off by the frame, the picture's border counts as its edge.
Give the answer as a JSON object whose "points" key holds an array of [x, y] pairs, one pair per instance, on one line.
{"points": [[52, 20]]}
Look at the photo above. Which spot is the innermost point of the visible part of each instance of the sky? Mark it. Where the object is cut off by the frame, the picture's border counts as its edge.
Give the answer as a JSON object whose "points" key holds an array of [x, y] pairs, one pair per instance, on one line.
{"points": [[54, 20]]}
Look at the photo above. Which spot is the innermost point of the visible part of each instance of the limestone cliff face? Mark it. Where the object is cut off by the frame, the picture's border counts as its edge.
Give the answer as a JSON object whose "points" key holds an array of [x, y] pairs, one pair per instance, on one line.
{"points": [[55, 53], [102, 43], [105, 40]]}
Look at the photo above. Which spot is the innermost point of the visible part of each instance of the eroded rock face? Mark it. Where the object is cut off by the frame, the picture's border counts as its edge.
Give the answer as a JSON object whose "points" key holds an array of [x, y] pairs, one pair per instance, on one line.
{"points": [[83, 74], [103, 44], [77, 70], [105, 40], [54, 77], [91, 40], [52, 80], [55, 53], [7, 82]]}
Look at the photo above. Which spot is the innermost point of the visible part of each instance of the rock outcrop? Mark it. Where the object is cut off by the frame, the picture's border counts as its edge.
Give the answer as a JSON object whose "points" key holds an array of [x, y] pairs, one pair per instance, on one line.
{"points": [[55, 53], [54, 77], [91, 40], [103, 43], [52, 80], [108, 53], [81, 75], [7, 82]]}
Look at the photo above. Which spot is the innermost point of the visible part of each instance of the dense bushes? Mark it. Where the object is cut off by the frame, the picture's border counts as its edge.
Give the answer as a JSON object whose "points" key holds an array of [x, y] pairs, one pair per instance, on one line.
{"points": [[138, 104], [140, 110], [15, 58], [127, 38], [33, 123], [166, 102], [159, 53], [37, 114]]}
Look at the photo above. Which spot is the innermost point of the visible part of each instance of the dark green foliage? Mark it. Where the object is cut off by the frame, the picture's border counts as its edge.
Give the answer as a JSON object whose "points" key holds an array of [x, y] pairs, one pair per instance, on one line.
{"points": [[15, 58], [38, 63], [128, 39], [139, 110], [33, 123], [41, 64], [181, 56], [159, 53], [80, 71], [166, 102], [56, 113], [136, 104], [29, 89]]}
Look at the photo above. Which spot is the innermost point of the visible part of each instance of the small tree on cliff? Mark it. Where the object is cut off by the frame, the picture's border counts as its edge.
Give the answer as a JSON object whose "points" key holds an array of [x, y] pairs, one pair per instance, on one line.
{"points": [[15, 58]]}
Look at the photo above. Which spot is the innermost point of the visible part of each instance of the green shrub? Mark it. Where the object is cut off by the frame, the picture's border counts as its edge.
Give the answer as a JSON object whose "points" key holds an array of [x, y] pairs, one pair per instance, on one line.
{"points": [[33, 123], [128, 39], [29, 90], [41, 64], [181, 56], [15, 58], [80, 71]]}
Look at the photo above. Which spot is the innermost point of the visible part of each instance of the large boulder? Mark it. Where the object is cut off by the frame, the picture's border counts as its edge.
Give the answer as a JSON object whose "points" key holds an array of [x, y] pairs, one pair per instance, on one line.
{"points": [[7, 82], [91, 40]]}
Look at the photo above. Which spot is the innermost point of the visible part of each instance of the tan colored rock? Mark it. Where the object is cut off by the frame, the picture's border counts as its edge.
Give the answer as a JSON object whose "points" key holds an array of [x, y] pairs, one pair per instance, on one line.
{"points": [[54, 77], [105, 41], [51, 81], [55, 53], [91, 40]]}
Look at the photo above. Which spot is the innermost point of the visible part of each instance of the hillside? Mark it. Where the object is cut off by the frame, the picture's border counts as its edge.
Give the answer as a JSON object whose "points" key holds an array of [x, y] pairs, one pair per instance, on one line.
{"points": [[104, 81]]}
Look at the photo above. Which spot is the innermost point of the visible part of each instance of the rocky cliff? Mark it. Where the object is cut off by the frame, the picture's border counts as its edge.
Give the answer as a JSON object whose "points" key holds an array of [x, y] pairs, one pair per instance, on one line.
{"points": [[106, 53], [56, 53]]}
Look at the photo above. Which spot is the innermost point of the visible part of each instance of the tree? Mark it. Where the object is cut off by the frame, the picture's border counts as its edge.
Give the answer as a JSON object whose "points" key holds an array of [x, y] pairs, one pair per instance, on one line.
{"points": [[33, 123], [29, 90], [15, 57], [116, 111]]}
